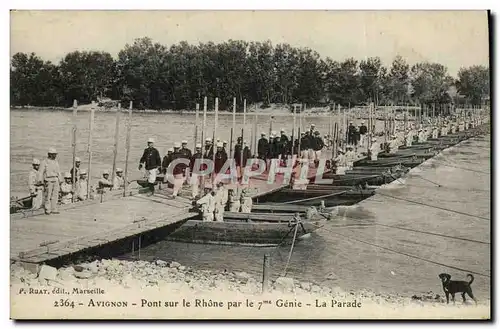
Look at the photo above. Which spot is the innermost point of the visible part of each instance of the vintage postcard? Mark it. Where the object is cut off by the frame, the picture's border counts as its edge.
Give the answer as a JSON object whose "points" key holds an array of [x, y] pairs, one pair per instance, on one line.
{"points": [[250, 165]]}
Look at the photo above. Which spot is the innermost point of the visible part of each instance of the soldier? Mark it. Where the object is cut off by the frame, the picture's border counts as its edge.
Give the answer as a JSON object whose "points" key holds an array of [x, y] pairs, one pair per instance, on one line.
{"points": [[51, 176], [152, 161], [263, 147], [351, 131], [224, 146], [207, 204], [350, 156], [318, 145], [166, 161], [35, 185], [273, 146], [363, 130], [247, 154], [393, 144], [220, 158], [76, 169], [118, 181], [409, 137], [67, 189], [246, 201], [209, 149], [340, 163], [234, 201], [374, 150], [179, 169], [185, 151], [104, 184], [195, 177], [304, 145], [221, 197], [283, 144], [81, 186]]}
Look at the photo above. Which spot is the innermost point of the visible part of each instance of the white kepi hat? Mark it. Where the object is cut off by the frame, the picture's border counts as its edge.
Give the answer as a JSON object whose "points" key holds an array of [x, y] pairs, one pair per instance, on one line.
{"points": [[35, 161], [151, 140], [52, 151], [177, 144]]}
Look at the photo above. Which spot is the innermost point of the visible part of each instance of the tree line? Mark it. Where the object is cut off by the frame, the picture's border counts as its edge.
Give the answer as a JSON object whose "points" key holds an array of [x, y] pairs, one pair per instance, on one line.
{"points": [[155, 76]]}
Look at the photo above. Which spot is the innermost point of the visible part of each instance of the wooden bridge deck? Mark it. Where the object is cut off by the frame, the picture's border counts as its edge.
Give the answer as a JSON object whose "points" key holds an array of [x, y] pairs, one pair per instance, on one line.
{"points": [[36, 237]]}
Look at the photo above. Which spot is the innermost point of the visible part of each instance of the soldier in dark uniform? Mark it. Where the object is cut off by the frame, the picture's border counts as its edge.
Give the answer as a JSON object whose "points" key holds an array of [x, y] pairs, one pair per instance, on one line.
{"points": [[151, 161], [166, 160], [351, 131], [284, 144], [263, 147], [220, 158], [184, 150], [209, 149]]}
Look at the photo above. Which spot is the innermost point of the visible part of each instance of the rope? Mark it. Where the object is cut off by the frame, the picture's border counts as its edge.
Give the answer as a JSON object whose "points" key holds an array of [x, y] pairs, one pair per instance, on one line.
{"points": [[437, 207], [313, 198], [409, 255], [428, 180], [467, 169], [291, 249]]}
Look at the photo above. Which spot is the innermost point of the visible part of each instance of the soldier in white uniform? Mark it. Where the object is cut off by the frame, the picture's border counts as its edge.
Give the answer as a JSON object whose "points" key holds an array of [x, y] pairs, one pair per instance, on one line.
{"points": [[234, 201], [374, 149], [341, 163], [207, 204], [81, 187], [118, 181], [67, 189], [104, 184], [51, 176], [350, 157], [35, 185], [246, 202]]}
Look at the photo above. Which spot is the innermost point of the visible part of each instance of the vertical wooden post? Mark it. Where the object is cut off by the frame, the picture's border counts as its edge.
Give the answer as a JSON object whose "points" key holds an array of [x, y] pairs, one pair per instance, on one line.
{"points": [[89, 150], [129, 127], [196, 125], [215, 135], [266, 269], [75, 109], [255, 133], [293, 130], [115, 148], [203, 134], [233, 129]]}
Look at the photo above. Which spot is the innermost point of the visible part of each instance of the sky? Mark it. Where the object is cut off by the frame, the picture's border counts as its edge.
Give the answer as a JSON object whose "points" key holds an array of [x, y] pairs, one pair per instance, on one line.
{"points": [[453, 38]]}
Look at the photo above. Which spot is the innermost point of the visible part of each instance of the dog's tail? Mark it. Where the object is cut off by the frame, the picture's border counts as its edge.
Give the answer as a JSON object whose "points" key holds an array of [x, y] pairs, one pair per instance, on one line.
{"points": [[471, 278]]}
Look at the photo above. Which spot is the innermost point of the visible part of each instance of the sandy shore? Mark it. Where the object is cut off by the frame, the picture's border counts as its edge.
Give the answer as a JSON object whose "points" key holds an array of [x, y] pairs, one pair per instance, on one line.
{"points": [[102, 288]]}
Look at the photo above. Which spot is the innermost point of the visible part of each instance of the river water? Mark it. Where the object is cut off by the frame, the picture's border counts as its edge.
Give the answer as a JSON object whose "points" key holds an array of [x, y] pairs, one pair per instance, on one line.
{"points": [[410, 243]]}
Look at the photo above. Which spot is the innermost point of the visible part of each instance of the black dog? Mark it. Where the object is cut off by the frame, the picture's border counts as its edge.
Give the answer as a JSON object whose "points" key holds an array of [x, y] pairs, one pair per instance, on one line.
{"points": [[452, 287]]}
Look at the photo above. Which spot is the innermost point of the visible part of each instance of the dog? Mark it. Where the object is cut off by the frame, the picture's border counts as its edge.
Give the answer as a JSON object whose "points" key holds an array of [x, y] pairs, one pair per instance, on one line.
{"points": [[452, 287]]}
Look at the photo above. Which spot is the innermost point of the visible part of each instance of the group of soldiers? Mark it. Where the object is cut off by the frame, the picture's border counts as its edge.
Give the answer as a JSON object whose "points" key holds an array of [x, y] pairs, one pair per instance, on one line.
{"points": [[48, 187], [414, 133], [276, 147]]}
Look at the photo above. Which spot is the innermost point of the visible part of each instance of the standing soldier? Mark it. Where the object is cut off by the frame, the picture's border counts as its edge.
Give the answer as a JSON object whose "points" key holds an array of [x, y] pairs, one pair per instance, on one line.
{"points": [[179, 169], [238, 149], [152, 161], [351, 131], [67, 189], [186, 154], [374, 150], [317, 146], [247, 154], [234, 201], [51, 176], [166, 162], [195, 172], [220, 158], [209, 149], [363, 130], [35, 185], [262, 146], [283, 144], [224, 146]]}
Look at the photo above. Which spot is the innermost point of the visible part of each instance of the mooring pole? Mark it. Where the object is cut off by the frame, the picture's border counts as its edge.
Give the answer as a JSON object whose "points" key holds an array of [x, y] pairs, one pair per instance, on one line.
{"points": [[266, 268], [89, 150], [129, 127], [73, 174], [115, 148]]}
